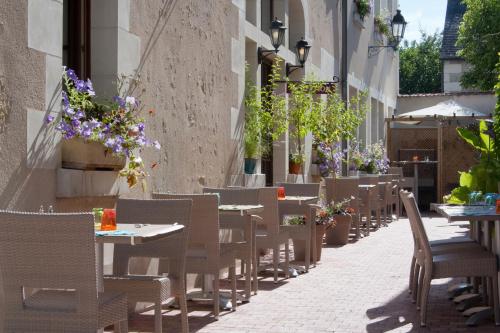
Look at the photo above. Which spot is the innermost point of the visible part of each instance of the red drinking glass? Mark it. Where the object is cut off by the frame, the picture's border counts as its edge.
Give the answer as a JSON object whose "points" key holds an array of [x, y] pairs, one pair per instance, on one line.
{"points": [[281, 193], [498, 206], [108, 221]]}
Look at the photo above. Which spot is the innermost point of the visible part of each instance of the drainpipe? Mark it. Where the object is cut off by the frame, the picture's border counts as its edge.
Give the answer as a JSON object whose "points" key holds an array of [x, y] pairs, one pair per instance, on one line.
{"points": [[343, 74]]}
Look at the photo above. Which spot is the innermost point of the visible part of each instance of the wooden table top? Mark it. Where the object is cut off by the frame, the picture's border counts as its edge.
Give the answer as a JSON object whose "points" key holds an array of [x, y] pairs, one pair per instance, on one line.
{"points": [[137, 233], [240, 209]]}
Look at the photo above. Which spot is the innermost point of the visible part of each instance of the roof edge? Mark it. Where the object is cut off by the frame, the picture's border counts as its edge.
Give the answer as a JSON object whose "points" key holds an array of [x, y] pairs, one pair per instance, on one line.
{"points": [[458, 93]]}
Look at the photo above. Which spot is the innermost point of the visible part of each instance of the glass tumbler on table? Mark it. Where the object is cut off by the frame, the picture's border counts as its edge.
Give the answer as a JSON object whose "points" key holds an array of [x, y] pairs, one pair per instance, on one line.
{"points": [[108, 221], [97, 217], [281, 193]]}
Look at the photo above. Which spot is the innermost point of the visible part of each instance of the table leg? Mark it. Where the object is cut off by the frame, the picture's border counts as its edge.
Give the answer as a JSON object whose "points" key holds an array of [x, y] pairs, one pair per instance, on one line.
{"points": [[99, 250], [249, 259], [415, 181], [254, 256]]}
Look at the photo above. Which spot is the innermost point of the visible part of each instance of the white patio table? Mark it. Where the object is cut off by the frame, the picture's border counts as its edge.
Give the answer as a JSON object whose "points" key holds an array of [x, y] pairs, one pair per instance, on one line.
{"points": [[129, 234], [481, 219], [248, 225]]}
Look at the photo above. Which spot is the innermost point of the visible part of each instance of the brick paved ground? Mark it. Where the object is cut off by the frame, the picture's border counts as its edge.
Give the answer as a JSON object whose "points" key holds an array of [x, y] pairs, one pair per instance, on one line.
{"points": [[360, 287]]}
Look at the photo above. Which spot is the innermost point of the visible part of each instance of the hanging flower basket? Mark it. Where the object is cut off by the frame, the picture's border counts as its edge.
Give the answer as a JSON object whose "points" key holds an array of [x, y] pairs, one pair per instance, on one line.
{"points": [[87, 155]]}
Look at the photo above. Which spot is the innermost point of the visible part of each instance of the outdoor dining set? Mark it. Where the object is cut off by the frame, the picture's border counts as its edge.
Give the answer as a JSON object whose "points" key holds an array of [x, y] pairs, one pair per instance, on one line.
{"points": [[53, 263]]}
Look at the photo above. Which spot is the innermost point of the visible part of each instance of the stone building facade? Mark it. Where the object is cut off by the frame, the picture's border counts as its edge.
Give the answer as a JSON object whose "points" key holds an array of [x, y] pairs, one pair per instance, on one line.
{"points": [[190, 56]]}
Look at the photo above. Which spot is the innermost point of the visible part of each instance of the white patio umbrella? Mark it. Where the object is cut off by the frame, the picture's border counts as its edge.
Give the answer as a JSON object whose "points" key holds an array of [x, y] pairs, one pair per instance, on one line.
{"points": [[448, 108]]}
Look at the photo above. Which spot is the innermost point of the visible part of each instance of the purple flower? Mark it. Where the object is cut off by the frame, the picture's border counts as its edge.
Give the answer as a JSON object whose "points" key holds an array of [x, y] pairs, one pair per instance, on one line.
{"points": [[71, 74], [109, 142], [141, 140], [79, 114], [120, 101], [65, 99], [69, 111], [75, 122], [80, 86], [90, 88], [141, 126], [49, 119]]}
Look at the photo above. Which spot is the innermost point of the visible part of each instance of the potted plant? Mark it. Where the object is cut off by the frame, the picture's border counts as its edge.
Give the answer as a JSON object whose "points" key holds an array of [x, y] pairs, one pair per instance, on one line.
{"points": [[296, 163], [265, 116], [324, 218], [363, 8], [338, 233], [109, 131]]}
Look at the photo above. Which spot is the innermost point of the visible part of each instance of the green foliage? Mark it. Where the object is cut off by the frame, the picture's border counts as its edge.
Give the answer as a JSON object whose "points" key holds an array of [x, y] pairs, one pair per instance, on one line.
{"points": [[334, 120], [479, 40], [420, 65], [382, 26], [265, 114], [483, 176], [496, 118], [363, 8]]}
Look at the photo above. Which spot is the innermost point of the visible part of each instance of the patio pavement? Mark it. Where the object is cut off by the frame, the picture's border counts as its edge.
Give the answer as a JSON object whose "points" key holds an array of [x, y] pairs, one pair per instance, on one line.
{"points": [[360, 287]]}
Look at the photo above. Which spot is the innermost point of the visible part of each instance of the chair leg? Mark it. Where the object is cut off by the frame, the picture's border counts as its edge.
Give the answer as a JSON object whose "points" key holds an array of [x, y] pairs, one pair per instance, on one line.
{"points": [[255, 271], [216, 286], [248, 277], [287, 258], [276, 261], [420, 273], [121, 327], [412, 270], [232, 276], [425, 295], [242, 267], [496, 305], [308, 252], [158, 317], [357, 224], [417, 274], [184, 312]]}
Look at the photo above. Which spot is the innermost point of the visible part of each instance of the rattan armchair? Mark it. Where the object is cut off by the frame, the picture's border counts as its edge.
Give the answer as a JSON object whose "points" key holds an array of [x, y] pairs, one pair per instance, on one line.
{"points": [[270, 233], [171, 252], [446, 263], [205, 254], [302, 232], [56, 255], [341, 188], [244, 251]]}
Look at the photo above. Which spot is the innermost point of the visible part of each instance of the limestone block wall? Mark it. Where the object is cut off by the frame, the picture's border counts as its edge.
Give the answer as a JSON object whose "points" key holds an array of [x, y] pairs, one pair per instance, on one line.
{"points": [[30, 68]]}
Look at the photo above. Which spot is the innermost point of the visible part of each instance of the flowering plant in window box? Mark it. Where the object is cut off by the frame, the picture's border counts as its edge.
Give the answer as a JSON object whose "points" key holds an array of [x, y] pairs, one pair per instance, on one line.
{"points": [[115, 125]]}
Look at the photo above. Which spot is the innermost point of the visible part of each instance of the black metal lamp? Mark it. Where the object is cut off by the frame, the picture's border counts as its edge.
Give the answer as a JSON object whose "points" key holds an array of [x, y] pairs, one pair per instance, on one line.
{"points": [[277, 33], [398, 26], [302, 48]]}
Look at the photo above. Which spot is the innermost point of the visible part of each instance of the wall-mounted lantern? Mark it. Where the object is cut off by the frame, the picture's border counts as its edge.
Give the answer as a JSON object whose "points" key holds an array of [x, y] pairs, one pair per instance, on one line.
{"points": [[302, 48], [277, 33], [398, 26]]}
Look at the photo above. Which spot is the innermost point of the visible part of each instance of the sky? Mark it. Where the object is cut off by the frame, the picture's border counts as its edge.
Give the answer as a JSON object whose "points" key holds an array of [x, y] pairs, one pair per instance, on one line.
{"points": [[427, 15]]}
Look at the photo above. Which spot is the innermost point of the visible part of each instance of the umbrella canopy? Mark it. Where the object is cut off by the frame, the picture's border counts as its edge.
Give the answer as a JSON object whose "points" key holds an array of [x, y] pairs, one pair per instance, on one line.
{"points": [[448, 108]]}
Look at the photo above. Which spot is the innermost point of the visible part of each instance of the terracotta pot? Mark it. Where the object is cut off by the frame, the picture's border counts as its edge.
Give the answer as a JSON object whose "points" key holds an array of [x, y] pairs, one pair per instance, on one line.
{"points": [[295, 168], [339, 234], [81, 155], [299, 245]]}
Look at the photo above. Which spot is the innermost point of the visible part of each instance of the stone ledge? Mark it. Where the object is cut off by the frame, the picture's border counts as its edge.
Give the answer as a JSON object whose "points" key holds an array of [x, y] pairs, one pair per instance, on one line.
{"points": [[82, 183], [249, 180]]}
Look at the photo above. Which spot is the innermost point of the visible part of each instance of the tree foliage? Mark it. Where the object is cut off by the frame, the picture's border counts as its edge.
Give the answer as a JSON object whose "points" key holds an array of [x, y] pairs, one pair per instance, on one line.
{"points": [[479, 40], [420, 65]]}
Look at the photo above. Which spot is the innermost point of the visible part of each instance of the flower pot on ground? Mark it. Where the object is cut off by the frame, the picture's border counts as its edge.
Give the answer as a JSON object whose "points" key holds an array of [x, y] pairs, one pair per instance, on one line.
{"points": [[89, 155], [299, 245], [250, 165], [338, 234]]}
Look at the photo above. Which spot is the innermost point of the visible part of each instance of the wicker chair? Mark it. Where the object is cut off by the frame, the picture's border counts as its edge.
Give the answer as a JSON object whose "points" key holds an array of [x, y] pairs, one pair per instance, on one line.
{"points": [[270, 233], [55, 252], [341, 188], [244, 251], [393, 199], [371, 201], [205, 254], [404, 182], [446, 263], [302, 232], [171, 252]]}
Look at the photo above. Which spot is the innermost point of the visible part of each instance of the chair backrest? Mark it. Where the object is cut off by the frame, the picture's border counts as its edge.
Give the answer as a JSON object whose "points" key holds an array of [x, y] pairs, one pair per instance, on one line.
{"points": [[396, 171], [268, 197], [171, 250], [307, 189], [235, 195], [53, 251], [204, 228], [416, 223], [341, 188]]}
